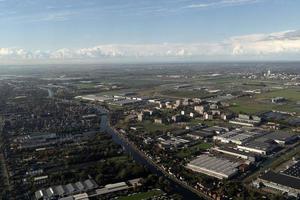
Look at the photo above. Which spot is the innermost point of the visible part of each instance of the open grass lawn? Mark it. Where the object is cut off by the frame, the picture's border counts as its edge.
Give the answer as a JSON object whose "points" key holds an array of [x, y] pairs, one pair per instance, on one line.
{"points": [[184, 94], [142, 195], [187, 152], [153, 127], [291, 94], [250, 106], [197, 121], [86, 85], [201, 146], [262, 102]]}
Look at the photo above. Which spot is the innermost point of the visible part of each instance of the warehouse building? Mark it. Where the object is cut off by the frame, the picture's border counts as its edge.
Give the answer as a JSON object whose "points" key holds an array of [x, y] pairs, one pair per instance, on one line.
{"points": [[55, 192], [236, 136], [236, 153], [293, 170], [259, 147], [282, 137], [220, 168], [282, 182], [246, 120]]}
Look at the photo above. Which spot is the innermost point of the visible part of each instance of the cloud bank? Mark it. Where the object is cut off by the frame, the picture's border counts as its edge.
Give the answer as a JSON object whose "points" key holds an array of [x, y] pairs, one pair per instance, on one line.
{"points": [[277, 44], [222, 3]]}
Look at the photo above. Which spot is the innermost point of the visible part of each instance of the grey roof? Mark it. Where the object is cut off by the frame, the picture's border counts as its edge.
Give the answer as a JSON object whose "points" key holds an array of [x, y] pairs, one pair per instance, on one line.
{"points": [[228, 149], [89, 184], [110, 188], [69, 188], [135, 181], [293, 170], [79, 185], [259, 145], [215, 129], [49, 192], [59, 190], [281, 135], [215, 164], [281, 179], [39, 194]]}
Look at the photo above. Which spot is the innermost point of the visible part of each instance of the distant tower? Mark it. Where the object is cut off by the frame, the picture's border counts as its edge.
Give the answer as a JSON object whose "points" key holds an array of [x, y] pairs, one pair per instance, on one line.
{"points": [[269, 73]]}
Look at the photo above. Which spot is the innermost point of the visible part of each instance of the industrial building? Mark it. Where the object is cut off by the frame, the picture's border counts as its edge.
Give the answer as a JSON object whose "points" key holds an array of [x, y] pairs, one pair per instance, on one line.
{"points": [[236, 136], [282, 137], [217, 167], [172, 142], [37, 140], [259, 147], [93, 97], [84, 190], [246, 120], [125, 102], [116, 187], [65, 190], [282, 182], [236, 153], [268, 143], [293, 170]]}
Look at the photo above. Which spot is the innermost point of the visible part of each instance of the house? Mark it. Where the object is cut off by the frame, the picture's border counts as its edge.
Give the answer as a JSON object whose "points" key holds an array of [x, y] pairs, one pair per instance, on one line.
{"points": [[200, 109]]}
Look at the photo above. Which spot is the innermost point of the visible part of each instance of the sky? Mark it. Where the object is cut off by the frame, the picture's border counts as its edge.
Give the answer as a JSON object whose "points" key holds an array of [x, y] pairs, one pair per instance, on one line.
{"points": [[79, 31]]}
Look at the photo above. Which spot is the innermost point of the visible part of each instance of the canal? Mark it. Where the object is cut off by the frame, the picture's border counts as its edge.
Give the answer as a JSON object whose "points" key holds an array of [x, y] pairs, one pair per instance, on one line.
{"points": [[184, 192]]}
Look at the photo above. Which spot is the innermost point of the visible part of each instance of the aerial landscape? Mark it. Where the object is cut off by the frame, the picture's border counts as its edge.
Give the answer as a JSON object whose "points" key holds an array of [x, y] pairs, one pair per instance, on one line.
{"points": [[170, 100]]}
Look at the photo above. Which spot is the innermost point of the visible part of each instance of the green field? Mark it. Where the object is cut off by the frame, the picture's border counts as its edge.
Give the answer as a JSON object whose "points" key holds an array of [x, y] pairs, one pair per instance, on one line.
{"points": [[153, 127], [197, 121], [291, 94], [184, 94], [188, 152], [262, 102], [86, 85], [142, 195], [201, 146]]}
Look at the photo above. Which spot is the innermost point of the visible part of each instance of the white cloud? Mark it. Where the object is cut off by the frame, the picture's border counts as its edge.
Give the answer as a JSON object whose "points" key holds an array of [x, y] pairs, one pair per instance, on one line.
{"points": [[265, 44], [222, 3], [272, 44]]}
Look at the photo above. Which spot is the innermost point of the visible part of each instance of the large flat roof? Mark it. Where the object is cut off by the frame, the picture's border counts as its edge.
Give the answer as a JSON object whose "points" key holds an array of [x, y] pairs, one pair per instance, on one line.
{"points": [[217, 165], [237, 135], [293, 170], [281, 135], [281, 179], [235, 151], [258, 145]]}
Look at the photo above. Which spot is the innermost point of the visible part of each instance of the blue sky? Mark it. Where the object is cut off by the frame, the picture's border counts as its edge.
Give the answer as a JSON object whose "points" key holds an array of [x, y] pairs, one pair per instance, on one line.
{"points": [[100, 30]]}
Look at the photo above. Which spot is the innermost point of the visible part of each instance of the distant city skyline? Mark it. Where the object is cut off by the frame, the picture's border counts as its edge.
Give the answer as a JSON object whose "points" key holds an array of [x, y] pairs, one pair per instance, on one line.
{"points": [[90, 31]]}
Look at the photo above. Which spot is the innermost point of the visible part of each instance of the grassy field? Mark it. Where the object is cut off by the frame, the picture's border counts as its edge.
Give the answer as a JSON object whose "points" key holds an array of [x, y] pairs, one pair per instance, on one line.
{"points": [[184, 94], [250, 106], [291, 94], [153, 127], [187, 152], [142, 195], [197, 121], [86, 85], [262, 102], [201, 146]]}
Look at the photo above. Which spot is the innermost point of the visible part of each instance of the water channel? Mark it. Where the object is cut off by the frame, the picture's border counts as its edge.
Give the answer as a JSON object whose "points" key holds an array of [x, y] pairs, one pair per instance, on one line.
{"points": [[184, 192]]}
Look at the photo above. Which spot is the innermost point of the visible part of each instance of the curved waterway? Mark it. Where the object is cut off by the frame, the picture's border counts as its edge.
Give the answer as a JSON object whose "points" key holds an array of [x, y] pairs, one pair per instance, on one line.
{"points": [[184, 192]]}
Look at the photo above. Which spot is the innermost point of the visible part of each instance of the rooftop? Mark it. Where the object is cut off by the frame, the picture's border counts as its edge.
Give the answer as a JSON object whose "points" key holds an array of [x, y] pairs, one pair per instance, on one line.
{"points": [[219, 167], [281, 179], [293, 170]]}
